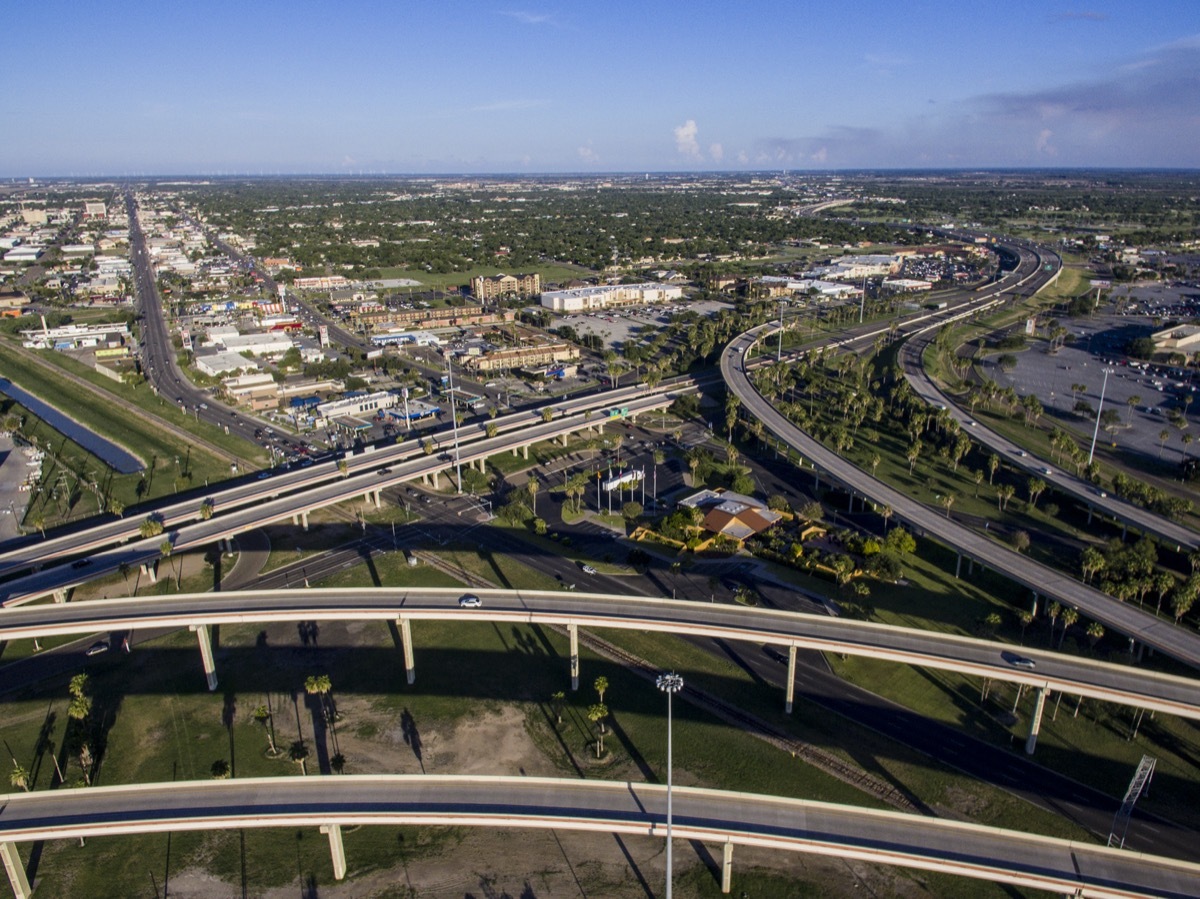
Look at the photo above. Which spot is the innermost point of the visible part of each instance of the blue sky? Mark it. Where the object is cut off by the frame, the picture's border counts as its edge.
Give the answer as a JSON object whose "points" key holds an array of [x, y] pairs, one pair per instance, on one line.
{"points": [[343, 87]]}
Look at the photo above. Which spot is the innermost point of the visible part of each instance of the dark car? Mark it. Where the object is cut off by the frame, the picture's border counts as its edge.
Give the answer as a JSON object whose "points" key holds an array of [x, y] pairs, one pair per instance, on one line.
{"points": [[81, 563], [96, 648]]}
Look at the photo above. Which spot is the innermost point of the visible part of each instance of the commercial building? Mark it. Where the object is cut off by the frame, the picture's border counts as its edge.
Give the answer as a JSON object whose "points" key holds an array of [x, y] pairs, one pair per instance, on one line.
{"points": [[735, 515], [258, 390], [1179, 339], [490, 287], [73, 337], [358, 404], [522, 357], [607, 296]]}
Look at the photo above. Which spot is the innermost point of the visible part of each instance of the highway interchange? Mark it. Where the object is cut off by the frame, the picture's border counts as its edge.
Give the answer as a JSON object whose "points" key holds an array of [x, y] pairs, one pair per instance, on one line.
{"points": [[363, 478]]}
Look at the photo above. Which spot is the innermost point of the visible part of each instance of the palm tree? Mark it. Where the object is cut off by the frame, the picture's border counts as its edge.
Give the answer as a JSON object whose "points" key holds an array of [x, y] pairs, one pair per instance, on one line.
{"points": [[533, 485], [165, 549], [320, 685], [298, 753], [547, 414], [1163, 436], [601, 684], [948, 501], [19, 777], [993, 463], [1026, 619], [556, 702], [1095, 631], [220, 770], [886, 513], [263, 716], [1069, 617], [1052, 612], [596, 714]]}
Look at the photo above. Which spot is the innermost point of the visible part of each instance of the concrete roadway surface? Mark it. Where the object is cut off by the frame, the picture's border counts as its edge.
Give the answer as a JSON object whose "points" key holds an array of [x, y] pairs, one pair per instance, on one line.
{"points": [[272, 507], [1041, 579], [709, 816], [1000, 766], [1058, 478], [104, 531], [967, 655]]}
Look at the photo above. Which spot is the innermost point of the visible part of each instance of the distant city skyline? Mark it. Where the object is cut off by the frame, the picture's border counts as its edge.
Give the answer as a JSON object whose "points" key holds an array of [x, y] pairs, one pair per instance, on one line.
{"points": [[145, 89]]}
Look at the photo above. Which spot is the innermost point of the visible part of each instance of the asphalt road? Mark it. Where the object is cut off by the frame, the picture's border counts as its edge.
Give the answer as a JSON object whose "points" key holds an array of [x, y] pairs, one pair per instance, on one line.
{"points": [[1014, 457]]}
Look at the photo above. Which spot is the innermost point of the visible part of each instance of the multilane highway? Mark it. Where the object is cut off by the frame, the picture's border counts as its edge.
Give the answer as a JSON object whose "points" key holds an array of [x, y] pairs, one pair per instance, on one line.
{"points": [[708, 816], [295, 494], [1040, 579], [1058, 478], [982, 658]]}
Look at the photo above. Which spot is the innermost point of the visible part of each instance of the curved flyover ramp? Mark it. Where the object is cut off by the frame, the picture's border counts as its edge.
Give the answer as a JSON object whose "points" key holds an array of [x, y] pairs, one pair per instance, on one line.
{"points": [[712, 816]]}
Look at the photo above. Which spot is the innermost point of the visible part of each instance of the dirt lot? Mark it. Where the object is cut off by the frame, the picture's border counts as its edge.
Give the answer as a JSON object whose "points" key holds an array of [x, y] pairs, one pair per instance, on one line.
{"points": [[536, 863]]}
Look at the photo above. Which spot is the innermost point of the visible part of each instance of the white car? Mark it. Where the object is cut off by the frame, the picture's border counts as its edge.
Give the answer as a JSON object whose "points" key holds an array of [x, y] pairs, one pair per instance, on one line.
{"points": [[469, 601], [588, 569]]}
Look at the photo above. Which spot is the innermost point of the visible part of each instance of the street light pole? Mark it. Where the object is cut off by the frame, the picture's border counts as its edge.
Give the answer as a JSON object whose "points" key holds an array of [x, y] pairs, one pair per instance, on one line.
{"points": [[1096, 430], [454, 420], [670, 684], [779, 352]]}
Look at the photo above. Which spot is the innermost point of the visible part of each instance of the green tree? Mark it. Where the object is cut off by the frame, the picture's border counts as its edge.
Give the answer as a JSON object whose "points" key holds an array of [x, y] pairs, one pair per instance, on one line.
{"points": [[206, 509], [596, 714], [151, 527], [547, 414], [601, 685], [298, 753], [557, 701], [220, 770], [19, 778], [532, 486], [263, 716]]}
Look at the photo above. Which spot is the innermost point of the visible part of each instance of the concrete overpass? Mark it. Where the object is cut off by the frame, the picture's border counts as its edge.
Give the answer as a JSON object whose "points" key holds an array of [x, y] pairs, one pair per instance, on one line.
{"points": [[979, 658], [104, 531], [1064, 482], [282, 498], [720, 818], [1041, 580]]}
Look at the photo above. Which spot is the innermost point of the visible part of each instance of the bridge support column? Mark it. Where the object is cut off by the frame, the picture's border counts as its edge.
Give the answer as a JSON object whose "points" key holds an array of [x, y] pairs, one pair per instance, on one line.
{"points": [[16, 871], [437, 484], [1090, 510], [206, 654], [514, 451], [410, 665], [565, 437], [727, 867], [791, 684], [958, 565], [573, 631], [525, 450], [1035, 604], [60, 595], [1035, 723], [304, 520], [970, 566], [378, 498], [336, 849], [150, 572]]}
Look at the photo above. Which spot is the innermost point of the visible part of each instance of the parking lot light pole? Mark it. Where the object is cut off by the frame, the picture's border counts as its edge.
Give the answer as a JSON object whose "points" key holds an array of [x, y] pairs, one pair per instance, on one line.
{"points": [[670, 684], [1096, 430]]}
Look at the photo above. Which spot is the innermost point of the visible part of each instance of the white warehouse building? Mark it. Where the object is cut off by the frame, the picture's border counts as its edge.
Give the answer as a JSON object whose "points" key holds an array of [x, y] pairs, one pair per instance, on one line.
{"points": [[608, 295]]}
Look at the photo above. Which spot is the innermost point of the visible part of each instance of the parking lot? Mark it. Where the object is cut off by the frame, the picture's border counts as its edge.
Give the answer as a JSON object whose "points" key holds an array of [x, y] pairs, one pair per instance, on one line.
{"points": [[616, 326], [1143, 396]]}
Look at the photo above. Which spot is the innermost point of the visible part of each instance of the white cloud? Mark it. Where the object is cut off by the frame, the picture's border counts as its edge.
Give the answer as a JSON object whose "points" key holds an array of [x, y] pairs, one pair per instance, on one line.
{"points": [[685, 139], [527, 18], [717, 152], [1042, 144], [587, 154]]}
